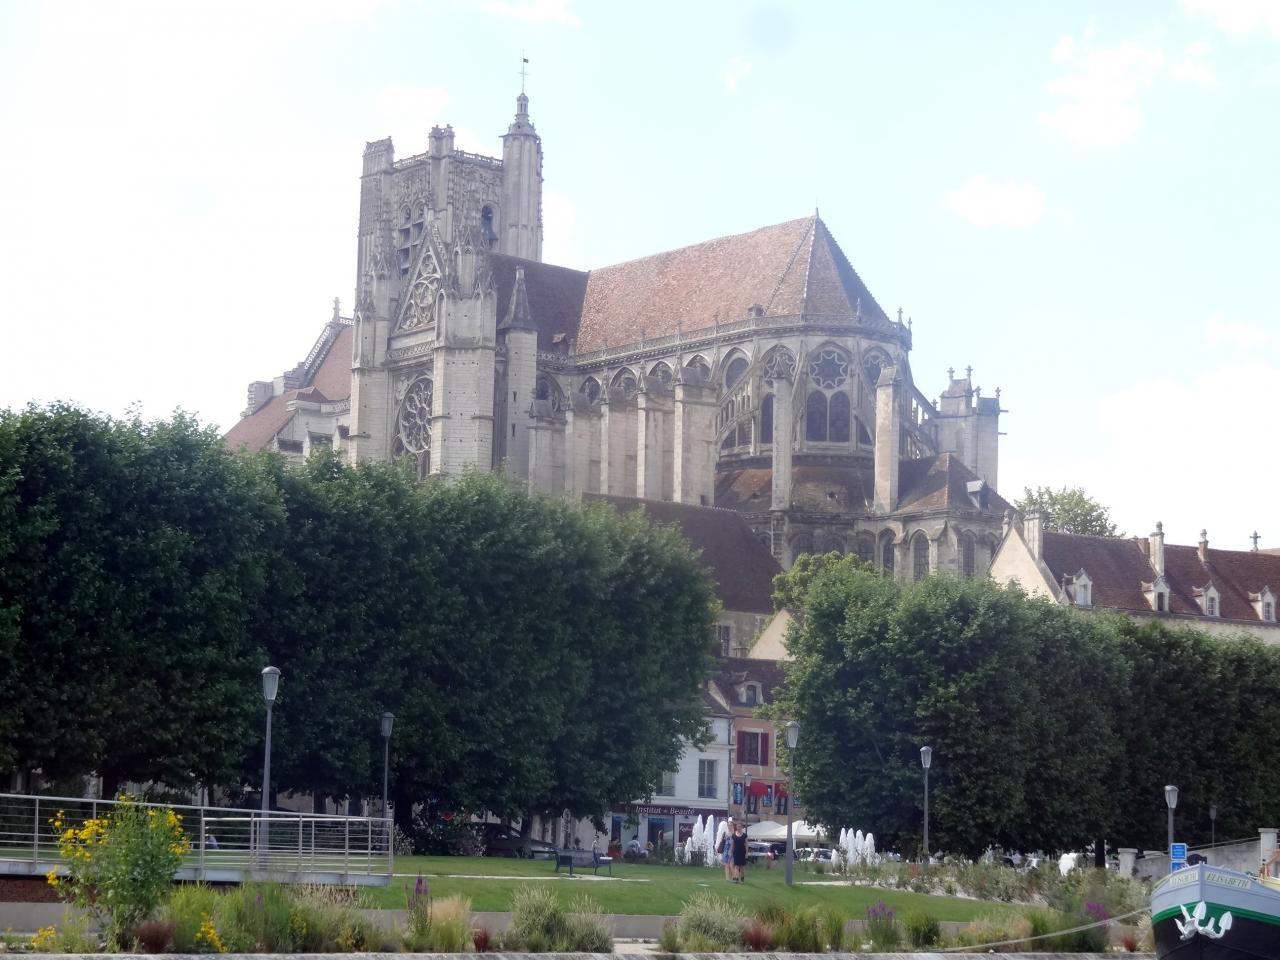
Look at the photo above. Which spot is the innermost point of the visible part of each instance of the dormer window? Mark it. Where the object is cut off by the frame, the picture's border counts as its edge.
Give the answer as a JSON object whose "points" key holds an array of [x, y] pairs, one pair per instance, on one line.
{"points": [[1157, 594], [1264, 604], [1209, 600], [749, 694], [1082, 590]]}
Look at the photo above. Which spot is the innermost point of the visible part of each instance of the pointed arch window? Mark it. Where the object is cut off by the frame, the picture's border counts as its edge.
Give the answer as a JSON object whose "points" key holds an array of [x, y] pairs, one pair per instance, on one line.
{"points": [[919, 556], [815, 416], [968, 554], [886, 554], [865, 547], [838, 418], [735, 371], [766, 419]]}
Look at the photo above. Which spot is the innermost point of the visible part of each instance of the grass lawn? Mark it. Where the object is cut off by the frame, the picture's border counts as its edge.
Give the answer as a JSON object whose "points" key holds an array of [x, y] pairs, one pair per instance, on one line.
{"points": [[665, 890]]}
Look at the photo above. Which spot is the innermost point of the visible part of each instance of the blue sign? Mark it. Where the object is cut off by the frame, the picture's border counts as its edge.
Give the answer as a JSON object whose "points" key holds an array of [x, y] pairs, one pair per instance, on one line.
{"points": [[1178, 851], [1177, 865]]}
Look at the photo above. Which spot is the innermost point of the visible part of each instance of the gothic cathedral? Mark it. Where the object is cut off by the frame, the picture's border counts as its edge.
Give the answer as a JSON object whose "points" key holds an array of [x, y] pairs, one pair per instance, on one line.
{"points": [[754, 373]]}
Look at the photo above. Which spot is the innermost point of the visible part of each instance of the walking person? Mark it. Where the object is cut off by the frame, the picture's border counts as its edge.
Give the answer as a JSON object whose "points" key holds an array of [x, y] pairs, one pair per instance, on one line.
{"points": [[739, 853], [724, 849]]}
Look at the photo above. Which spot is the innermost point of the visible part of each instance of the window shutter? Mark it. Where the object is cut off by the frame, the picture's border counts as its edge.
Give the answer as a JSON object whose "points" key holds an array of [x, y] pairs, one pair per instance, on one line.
{"points": [[764, 749], [742, 747]]}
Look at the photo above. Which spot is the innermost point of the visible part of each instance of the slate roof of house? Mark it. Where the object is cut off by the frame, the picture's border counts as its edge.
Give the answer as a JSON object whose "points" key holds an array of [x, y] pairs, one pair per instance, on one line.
{"points": [[740, 565], [329, 381], [787, 269], [1118, 567], [729, 672]]}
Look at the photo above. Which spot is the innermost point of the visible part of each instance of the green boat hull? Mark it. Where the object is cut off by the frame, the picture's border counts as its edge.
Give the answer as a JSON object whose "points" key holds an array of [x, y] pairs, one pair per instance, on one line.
{"points": [[1211, 913]]}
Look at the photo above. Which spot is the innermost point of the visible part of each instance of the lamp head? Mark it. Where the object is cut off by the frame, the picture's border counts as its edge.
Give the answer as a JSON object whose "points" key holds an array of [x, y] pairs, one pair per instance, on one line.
{"points": [[1171, 796], [793, 733], [747, 779], [1213, 811], [926, 757], [270, 684], [388, 719]]}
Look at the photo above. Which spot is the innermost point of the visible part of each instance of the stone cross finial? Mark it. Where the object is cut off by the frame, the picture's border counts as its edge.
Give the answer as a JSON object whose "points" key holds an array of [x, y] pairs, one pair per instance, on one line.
{"points": [[899, 314], [951, 373], [1159, 527], [968, 372], [1255, 538], [336, 314]]}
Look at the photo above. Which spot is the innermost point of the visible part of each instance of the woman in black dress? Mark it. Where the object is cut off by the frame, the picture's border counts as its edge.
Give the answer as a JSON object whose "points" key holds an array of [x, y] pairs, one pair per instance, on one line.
{"points": [[739, 853]]}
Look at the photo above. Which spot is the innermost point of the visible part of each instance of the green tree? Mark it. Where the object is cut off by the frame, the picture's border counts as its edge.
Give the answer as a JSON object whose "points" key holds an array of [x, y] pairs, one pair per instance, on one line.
{"points": [[136, 550], [880, 670], [1069, 510]]}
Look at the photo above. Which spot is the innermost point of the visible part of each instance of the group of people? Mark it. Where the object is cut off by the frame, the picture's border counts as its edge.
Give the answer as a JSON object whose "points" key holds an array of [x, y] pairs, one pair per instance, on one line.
{"points": [[732, 850]]}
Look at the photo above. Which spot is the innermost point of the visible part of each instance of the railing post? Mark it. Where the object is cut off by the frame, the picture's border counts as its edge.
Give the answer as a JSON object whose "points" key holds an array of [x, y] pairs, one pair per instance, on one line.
{"points": [[346, 842], [35, 847], [301, 823], [202, 842]]}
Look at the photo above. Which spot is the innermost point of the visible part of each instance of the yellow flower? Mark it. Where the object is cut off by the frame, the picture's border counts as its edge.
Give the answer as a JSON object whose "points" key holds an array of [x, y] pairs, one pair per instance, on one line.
{"points": [[52, 877], [44, 938]]}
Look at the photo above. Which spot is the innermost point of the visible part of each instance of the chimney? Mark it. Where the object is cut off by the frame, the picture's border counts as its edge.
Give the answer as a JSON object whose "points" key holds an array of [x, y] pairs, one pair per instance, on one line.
{"points": [[1204, 546], [1157, 549], [1033, 533], [888, 439]]}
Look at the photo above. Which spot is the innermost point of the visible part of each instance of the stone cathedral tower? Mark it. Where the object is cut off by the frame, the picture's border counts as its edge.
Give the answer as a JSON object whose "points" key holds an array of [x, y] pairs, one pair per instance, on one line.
{"points": [[754, 373]]}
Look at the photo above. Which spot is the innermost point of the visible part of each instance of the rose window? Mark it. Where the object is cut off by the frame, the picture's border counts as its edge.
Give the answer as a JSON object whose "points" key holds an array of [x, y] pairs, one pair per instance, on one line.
{"points": [[414, 426], [829, 370]]}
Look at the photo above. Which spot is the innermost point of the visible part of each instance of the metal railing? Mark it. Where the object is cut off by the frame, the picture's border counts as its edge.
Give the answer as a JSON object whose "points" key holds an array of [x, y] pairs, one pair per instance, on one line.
{"points": [[226, 844]]}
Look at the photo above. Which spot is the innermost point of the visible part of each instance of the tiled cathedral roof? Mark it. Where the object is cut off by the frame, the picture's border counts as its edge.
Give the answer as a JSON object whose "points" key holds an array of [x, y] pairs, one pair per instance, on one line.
{"points": [[787, 269], [1119, 566], [554, 295], [942, 482], [741, 566]]}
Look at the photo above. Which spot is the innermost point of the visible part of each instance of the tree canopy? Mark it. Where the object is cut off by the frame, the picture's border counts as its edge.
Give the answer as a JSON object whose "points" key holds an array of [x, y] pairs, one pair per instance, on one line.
{"points": [[538, 657], [1049, 727], [1069, 510]]}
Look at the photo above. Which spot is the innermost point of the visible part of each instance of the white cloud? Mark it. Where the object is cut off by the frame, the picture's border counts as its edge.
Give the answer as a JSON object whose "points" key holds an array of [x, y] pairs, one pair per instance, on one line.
{"points": [[1238, 17], [1098, 95], [735, 70], [986, 204], [1192, 66], [536, 11], [1218, 329], [1163, 450]]}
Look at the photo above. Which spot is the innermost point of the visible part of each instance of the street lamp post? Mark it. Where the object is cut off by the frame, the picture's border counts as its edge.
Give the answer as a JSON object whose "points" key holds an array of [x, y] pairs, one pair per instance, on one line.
{"points": [[793, 737], [270, 686], [1213, 825], [388, 719], [926, 758], [1171, 801]]}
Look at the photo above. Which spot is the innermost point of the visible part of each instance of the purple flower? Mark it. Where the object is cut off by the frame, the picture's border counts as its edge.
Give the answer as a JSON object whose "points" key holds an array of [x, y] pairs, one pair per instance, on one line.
{"points": [[1096, 910]]}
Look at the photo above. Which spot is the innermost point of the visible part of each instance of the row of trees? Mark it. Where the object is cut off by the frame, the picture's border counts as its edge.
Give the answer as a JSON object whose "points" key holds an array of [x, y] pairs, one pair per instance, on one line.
{"points": [[538, 657], [1050, 728]]}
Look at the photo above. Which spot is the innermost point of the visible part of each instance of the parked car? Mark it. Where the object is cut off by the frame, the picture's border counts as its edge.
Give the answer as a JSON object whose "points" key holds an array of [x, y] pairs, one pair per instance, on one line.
{"points": [[504, 841], [813, 854], [757, 850]]}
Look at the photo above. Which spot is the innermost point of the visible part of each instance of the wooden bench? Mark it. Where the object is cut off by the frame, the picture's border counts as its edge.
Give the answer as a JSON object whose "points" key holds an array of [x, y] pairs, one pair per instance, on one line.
{"points": [[580, 859]]}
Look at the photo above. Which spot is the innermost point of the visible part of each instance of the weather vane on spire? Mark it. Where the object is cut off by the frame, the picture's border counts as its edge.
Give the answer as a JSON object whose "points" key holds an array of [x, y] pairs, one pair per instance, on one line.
{"points": [[524, 70]]}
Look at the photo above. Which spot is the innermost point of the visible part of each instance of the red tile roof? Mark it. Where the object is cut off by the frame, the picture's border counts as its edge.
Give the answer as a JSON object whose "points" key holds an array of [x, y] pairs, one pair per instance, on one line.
{"points": [[331, 381], [741, 566], [1118, 568], [787, 269]]}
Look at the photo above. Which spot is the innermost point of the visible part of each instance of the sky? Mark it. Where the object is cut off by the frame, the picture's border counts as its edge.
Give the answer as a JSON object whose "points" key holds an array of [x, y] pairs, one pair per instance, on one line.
{"points": [[1077, 199]]}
